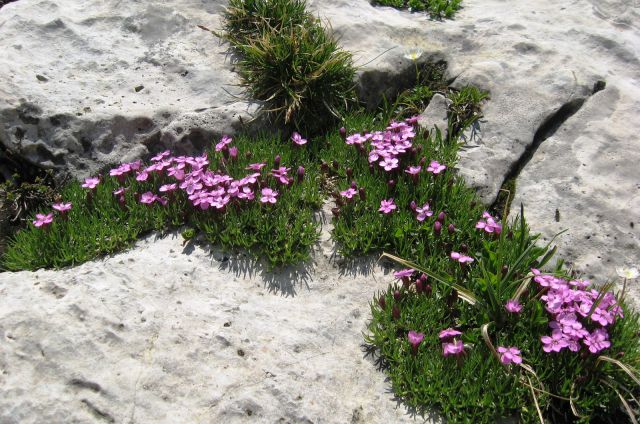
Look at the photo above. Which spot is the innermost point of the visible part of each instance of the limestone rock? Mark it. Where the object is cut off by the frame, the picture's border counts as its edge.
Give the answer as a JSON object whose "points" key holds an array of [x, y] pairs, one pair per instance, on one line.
{"points": [[168, 334], [89, 84], [435, 114]]}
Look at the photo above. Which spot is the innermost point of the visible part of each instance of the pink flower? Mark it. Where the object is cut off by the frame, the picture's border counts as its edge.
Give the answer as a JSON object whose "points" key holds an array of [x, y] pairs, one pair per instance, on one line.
{"points": [[555, 343], [298, 140], [435, 168], [246, 193], [268, 196], [142, 176], [403, 273], [63, 208], [160, 156], [461, 258], [423, 212], [387, 206], [597, 340], [256, 166], [413, 170], [449, 333], [43, 220], [349, 193], [389, 163], [148, 198], [453, 349], [91, 183], [223, 143], [414, 340], [355, 139], [489, 225], [513, 306], [168, 187], [509, 355]]}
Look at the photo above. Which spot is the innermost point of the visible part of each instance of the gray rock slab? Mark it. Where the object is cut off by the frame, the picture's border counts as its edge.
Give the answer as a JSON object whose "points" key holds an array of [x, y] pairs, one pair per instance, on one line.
{"points": [[88, 84], [172, 334], [435, 115], [585, 180]]}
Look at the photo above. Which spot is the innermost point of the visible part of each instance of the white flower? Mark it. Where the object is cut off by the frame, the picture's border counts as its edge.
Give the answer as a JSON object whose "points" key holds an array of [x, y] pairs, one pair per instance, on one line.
{"points": [[627, 273], [413, 54]]}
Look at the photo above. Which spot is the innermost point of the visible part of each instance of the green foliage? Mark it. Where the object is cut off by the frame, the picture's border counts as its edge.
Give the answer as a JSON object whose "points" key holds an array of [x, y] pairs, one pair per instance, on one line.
{"points": [[290, 61], [437, 9], [465, 108], [98, 225], [361, 229]]}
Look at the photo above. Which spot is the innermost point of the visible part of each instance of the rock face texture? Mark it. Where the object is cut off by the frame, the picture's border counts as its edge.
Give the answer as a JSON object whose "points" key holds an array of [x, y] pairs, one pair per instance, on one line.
{"points": [[88, 84], [164, 334]]}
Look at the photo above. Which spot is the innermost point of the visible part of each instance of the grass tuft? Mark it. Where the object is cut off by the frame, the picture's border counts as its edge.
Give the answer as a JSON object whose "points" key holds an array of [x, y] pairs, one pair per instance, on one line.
{"points": [[437, 9], [290, 61]]}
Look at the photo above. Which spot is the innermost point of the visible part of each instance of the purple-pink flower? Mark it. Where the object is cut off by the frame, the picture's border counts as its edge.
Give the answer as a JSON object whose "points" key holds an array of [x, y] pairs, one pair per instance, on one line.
{"points": [[435, 167], [223, 143], [454, 348], [489, 224], [43, 220], [414, 340], [349, 193], [268, 195], [597, 340], [423, 212], [509, 355], [461, 258], [91, 183], [555, 343], [168, 187], [256, 166], [387, 206], [449, 333], [298, 140], [513, 306], [389, 163], [403, 273], [62, 207], [148, 198], [413, 170]]}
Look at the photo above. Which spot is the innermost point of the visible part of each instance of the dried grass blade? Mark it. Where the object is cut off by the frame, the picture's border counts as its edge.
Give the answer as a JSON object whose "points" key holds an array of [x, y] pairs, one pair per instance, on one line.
{"points": [[622, 366], [535, 402]]}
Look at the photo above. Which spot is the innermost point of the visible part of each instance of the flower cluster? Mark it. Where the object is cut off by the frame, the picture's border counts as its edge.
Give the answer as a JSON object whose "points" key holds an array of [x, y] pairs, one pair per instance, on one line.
{"points": [[489, 224], [579, 314], [205, 189]]}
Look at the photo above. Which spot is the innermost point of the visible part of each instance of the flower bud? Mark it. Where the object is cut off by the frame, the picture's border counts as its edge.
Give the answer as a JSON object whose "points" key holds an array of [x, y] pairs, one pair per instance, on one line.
{"points": [[395, 312], [349, 173], [397, 295], [300, 173], [423, 160], [362, 193], [233, 153], [382, 302], [336, 165], [505, 270], [419, 285], [413, 206], [441, 217], [464, 248], [324, 167], [225, 151], [372, 169], [276, 161], [437, 228], [248, 155], [354, 185], [427, 289], [391, 184], [343, 133], [419, 149], [451, 228]]}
